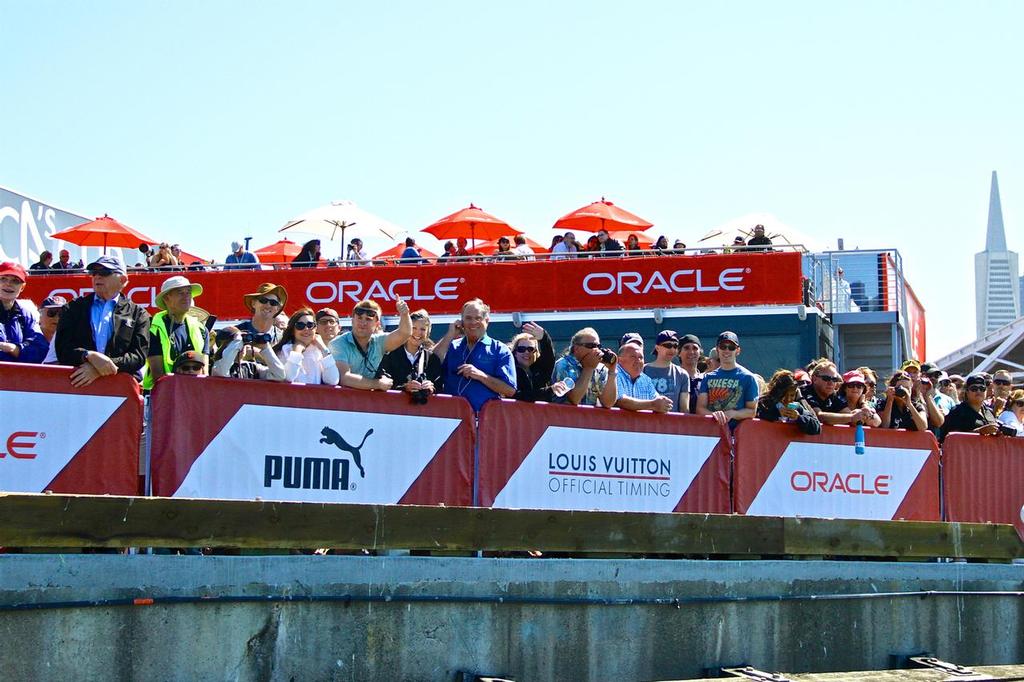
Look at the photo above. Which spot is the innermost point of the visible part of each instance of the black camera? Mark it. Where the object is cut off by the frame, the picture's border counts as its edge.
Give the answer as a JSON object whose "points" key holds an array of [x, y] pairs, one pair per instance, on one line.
{"points": [[258, 339], [902, 393], [247, 337], [421, 396], [607, 355]]}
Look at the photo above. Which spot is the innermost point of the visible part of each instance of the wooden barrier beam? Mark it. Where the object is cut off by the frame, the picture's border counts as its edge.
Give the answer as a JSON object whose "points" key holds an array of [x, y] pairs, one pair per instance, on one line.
{"points": [[34, 520]]}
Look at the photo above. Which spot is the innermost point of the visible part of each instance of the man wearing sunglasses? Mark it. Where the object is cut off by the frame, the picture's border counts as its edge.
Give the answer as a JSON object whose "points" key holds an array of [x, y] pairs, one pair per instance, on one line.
{"points": [[822, 396], [972, 415], [1002, 386], [265, 304], [580, 376], [107, 320], [729, 393], [670, 380], [359, 352]]}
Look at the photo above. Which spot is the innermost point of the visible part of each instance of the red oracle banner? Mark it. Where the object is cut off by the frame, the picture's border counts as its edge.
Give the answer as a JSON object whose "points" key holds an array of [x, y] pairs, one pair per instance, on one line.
{"points": [[238, 439], [779, 471], [541, 456], [68, 440], [983, 479], [582, 284]]}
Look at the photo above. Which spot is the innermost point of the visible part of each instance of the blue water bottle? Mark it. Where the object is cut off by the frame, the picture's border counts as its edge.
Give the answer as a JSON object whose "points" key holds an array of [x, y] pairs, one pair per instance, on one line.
{"points": [[858, 439]]}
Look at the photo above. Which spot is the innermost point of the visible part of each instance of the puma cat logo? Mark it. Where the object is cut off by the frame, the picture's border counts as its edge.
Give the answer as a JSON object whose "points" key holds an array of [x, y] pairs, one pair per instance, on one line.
{"points": [[334, 438]]}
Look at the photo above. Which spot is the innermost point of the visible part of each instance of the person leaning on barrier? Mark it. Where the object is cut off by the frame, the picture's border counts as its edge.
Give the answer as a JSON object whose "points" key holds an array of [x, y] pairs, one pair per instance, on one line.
{"points": [[534, 354], [412, 366], [265, 304], [853, 395], [899, 409], [670, 380], [634, 388], [173, 331], [822, 396], [304, 354], [476, 366], [783, 403], [581, 376], [359, 352], [729, 393], [103, 319], [973, 415], [21, 338], [235, 350]]}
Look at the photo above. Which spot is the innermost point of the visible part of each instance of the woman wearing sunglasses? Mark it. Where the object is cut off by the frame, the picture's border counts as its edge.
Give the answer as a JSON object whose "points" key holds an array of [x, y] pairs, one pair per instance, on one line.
{"points": [[1013, 414], [972, 415], [854, 394], [305, 355], [534, 354], [898, 409]]}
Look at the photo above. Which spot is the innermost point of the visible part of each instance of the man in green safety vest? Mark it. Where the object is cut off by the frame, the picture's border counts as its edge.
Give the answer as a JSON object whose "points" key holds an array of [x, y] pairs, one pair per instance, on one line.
{"points": [[173, 331]]}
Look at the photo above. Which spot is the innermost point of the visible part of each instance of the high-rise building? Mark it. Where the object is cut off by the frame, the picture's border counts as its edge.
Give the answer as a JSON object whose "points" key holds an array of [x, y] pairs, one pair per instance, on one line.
{"points": [[996, 273]]}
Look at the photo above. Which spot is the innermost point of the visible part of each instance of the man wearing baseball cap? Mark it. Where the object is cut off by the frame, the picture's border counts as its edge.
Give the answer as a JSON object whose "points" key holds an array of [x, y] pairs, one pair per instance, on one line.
{"points": [[21, 340], [107, 320], [670, 380], [173, 331], [240, 259], [729, 393], [191, 363], [328, 324]]}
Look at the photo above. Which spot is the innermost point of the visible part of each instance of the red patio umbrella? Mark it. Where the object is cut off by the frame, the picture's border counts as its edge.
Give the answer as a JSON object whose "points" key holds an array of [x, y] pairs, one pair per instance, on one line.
{"points": [[490, 246], [602, 215], [396, 252], [472, 223], [281, 251], [103, 232]]}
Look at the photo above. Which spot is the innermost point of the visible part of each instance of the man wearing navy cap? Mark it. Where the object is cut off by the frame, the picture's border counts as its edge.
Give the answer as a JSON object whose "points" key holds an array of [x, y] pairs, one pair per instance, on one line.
{"points": [[730, 392], [107, 320]]}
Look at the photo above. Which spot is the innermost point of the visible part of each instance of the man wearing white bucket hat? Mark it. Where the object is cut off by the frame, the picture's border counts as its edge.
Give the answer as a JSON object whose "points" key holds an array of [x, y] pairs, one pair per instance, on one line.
{"points": [[173, 331]]}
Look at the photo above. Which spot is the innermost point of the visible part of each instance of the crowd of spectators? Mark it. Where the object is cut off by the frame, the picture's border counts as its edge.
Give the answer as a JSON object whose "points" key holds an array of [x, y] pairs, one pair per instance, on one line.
{"points": [[169, 257], [104, 333]]}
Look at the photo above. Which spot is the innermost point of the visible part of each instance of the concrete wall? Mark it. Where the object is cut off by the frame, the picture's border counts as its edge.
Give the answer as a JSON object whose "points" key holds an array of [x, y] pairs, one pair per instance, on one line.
{"points": [[401, 640]]}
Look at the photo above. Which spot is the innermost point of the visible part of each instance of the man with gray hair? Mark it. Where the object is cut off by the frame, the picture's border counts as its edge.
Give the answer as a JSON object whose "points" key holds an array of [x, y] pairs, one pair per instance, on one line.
{"points": [[474, 365], [581, 376]]}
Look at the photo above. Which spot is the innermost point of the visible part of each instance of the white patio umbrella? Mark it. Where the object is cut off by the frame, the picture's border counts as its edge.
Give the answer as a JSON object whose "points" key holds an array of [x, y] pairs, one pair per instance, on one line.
{"points": [[340, 217]]}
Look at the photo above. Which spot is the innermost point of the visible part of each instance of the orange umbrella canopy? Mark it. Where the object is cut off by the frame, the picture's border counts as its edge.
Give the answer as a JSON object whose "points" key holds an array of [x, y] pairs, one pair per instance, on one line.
{"points": [[472, 223], [105, 232], [396, 252], [490, 246], [601, 215], [281, 251]]}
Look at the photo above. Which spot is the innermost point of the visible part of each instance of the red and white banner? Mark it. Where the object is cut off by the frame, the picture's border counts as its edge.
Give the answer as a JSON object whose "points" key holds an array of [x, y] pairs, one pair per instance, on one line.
{"points": [[983, 479], [68, 440], [238, 439], [541, 456], [583, 284], [779, 471]]}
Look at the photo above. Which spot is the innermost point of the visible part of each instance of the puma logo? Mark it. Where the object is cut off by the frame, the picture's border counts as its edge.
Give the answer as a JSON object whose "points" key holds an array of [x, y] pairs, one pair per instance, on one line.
{"points": [[334, 438]]}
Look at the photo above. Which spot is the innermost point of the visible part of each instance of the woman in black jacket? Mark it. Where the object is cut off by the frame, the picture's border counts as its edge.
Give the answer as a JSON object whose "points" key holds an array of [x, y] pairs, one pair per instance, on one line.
{"points": [[412, 366], [782, 402], [309, 256], [535, 359]]}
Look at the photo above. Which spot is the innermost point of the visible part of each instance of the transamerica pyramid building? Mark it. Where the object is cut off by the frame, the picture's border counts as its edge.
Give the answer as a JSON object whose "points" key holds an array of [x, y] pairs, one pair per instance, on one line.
{"points": [[996, 290]]}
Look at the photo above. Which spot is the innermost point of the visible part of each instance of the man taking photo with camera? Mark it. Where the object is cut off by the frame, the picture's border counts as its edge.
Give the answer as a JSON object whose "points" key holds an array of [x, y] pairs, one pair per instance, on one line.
{"points": [[581, 375]]}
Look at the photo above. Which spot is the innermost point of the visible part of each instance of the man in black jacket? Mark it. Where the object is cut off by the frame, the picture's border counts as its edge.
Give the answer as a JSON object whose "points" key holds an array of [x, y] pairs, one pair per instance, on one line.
{"points": [[104, 319]]}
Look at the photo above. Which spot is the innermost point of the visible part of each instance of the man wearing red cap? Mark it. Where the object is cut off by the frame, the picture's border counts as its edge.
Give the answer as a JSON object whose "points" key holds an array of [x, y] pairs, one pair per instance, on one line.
{"points": [[21, 339]]}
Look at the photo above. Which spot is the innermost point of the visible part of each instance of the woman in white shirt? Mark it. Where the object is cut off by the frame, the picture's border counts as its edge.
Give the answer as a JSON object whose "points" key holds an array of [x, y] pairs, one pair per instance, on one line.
{"points": [[306, 357], [1013, 414]]}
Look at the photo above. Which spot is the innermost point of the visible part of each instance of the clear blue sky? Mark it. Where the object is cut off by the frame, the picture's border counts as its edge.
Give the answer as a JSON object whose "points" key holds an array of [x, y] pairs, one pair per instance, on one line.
{"points": [[199, 122]]}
